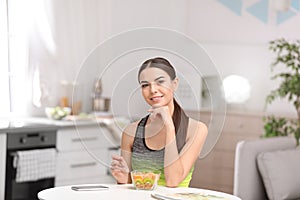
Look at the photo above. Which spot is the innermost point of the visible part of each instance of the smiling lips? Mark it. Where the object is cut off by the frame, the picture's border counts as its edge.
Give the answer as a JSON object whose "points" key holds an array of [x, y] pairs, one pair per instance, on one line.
{"points": [[156, 98]]}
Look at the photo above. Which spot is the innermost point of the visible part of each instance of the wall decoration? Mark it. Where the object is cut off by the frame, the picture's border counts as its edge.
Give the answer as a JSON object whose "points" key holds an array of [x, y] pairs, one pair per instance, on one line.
{"points": [[296, 4], [283, 16], [261, 9], [234, 6]]}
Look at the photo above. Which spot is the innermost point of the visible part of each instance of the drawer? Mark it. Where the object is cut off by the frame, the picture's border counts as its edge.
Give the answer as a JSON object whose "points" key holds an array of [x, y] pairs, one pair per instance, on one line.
{"points": [[79, 138], [244, 124], [77, 165]]}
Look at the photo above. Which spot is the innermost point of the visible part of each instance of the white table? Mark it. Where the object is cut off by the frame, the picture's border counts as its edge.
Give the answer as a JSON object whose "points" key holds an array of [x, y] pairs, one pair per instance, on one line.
{"points": [[118, 192]]}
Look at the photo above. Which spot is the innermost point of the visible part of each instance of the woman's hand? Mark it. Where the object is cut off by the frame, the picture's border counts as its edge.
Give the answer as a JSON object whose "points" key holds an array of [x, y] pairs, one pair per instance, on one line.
{"points": [[119, 169], [163, 113]]}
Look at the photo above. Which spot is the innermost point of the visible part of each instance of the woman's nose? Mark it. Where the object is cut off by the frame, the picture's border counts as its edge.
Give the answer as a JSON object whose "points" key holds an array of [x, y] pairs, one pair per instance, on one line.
{"points": [[153, 88]]}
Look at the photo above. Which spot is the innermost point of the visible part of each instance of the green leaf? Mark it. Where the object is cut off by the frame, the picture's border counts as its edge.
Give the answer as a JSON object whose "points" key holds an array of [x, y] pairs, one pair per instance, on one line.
{"points": [[287, 55]]}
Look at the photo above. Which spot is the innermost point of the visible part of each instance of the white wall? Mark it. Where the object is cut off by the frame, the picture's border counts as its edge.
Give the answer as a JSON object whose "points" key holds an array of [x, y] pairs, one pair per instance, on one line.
{"points": [[236, 43], [212, 21], [251, 61]]}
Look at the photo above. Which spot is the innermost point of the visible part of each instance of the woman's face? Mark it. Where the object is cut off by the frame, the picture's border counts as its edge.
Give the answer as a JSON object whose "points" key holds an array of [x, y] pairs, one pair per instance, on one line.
{"points": [[157, 86]]}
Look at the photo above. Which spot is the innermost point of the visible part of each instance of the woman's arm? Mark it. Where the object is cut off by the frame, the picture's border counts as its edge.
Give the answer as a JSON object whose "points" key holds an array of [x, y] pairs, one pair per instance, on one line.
{"points": [[178, 166], [121, 165]]}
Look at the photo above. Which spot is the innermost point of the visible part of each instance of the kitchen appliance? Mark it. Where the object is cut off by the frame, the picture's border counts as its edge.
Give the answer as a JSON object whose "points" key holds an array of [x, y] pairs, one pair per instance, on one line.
{"points": [[29, 137], [100, 104]]}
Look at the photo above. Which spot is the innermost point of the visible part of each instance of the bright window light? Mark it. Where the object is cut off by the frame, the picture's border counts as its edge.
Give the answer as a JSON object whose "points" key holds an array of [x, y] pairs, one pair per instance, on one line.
{"points": [[30, 34], [4, 72], [237, 89]]}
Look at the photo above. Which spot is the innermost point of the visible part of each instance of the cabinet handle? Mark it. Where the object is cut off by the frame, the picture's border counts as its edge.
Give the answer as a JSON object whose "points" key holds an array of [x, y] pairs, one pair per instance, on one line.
{"points": [[83, 165], [84, 139]]}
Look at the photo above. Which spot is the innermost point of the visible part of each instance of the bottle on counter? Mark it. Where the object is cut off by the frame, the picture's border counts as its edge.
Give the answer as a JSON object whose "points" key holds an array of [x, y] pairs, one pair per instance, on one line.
{"points": [[66, 93], [77, 95], [100, 104], [71, 96]]}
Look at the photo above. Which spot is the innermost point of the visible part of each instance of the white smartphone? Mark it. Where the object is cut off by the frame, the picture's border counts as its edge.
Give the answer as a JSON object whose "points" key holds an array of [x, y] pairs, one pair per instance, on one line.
{"points": [[89, 187]]}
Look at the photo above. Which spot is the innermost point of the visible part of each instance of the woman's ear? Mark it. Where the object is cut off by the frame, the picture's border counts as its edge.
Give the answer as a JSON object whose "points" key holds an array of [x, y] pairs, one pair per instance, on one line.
{"points": [[175, 83]]}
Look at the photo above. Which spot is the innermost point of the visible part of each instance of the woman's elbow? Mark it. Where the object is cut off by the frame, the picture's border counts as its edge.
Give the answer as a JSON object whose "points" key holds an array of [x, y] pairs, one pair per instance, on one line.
{"points": [[173, 182]]}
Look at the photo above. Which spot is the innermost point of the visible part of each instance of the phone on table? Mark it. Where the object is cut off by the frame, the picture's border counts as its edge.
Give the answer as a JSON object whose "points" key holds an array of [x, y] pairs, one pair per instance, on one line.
{"points": [[89, 187]]}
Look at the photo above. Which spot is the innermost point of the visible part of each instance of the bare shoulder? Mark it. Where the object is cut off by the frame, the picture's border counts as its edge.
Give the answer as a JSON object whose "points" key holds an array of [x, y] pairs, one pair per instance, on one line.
{"points": [[197, 127], [196, 135], [128, 136], [130, 129]]}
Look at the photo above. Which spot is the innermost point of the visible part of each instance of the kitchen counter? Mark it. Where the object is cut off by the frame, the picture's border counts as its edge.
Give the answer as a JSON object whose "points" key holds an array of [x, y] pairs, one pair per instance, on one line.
{"points": [[99, 136], [33, 123], [12, 126]]}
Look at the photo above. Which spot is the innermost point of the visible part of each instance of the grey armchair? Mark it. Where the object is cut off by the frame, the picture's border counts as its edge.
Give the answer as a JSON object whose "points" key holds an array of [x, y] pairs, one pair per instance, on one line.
{"points": [[248, 184]]}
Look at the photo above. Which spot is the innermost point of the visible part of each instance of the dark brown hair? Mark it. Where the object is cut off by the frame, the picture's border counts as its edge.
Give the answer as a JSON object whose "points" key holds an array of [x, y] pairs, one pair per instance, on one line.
{"points": [[180, 120]]}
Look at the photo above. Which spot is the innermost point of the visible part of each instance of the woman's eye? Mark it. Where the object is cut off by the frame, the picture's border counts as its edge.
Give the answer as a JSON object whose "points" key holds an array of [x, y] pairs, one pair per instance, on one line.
{"points": [[144, 85], [161, 82]]}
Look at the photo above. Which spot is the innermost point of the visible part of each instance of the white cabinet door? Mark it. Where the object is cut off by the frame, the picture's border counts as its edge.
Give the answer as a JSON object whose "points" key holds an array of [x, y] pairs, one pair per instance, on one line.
{"points": [[83, 154], [79, 138], [76, 165], [2, 163]]}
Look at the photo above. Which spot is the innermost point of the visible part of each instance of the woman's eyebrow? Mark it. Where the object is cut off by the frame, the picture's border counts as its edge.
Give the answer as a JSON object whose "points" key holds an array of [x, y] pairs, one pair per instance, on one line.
{"points": [[159, 78], [154, 79], [143, 81]]}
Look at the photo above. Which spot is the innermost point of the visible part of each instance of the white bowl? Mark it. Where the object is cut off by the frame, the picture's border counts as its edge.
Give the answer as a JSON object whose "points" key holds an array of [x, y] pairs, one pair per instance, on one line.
{"points": [[57, 113]]}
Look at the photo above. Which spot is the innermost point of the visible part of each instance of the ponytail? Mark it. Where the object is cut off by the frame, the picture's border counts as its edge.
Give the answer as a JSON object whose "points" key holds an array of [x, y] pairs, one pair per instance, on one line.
{"points": [[180, 120]]}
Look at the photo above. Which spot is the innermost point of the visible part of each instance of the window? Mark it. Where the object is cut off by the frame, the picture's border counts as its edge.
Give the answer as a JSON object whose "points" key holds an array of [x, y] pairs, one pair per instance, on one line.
{"points": [[4, 61]]}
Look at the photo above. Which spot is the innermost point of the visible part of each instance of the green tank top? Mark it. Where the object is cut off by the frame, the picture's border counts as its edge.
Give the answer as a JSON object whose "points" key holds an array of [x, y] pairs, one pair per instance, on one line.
{"points": [[146, 159]]}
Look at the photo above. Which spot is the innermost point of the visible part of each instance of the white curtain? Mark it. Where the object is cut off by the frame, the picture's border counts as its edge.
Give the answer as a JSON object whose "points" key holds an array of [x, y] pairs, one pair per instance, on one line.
{"points": [[4, 81], [49, 40]]}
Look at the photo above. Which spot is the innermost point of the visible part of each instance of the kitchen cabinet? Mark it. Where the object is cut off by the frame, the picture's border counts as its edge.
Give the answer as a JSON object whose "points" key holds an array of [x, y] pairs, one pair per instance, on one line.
{"points": [[2, 163], [216, 170], [83, 152]]}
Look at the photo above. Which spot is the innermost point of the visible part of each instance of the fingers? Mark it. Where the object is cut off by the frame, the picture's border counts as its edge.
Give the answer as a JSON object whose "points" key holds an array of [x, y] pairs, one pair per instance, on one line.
{"points": [[154, 112], [117, 157], [115, 163], [119, 164], [161, 112], [117, 169], [152, 116]]}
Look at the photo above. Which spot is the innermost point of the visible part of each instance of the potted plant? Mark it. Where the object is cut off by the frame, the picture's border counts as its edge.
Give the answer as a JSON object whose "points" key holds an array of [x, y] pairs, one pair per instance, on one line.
{"points": [[287, 55]]}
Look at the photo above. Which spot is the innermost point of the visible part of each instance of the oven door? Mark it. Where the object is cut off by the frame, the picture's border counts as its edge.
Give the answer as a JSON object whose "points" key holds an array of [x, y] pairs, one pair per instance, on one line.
{"points": [[22, 190], [23, 141]]}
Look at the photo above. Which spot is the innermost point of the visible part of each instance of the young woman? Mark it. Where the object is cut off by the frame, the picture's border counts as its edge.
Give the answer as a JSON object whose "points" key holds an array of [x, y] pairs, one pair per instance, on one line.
{"points": [[166, 140]]}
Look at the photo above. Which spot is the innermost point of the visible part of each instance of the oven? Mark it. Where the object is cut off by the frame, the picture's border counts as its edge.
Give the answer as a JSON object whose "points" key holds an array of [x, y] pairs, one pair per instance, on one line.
{"points": [[25, 141]]}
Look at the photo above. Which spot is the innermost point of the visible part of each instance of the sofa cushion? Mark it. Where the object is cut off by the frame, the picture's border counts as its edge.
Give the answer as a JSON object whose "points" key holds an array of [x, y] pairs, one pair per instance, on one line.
{"points": [[280, 173]]}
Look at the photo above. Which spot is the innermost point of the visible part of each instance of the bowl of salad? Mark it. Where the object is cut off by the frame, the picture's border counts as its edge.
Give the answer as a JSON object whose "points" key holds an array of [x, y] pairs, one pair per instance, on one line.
{"points": [[144, 180], [57, 112]]}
